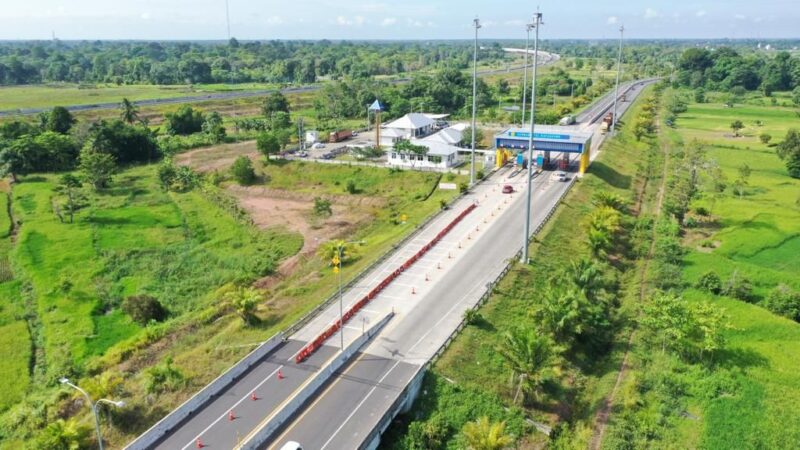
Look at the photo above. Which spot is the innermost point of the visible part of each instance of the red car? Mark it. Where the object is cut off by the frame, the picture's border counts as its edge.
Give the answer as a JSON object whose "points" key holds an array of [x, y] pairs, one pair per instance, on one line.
{"points": [[508, 189]]}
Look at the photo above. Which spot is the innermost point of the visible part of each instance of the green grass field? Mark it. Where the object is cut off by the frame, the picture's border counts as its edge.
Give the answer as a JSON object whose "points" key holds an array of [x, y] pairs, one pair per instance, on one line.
{"points": [[758, 236], [47, 96]]}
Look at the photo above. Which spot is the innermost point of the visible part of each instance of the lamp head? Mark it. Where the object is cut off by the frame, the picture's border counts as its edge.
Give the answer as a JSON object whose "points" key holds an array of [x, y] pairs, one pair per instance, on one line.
{"points": [[63, 380]]}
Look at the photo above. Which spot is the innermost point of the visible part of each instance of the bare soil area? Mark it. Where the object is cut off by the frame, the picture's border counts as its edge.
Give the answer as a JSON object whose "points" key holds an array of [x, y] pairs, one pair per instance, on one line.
{"points": [[208, 159]]}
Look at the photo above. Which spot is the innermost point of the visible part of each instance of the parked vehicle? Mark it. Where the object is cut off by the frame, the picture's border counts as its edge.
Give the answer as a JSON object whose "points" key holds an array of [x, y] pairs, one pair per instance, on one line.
{"points": [[567, 120], [318, 146], [339, 136], [292, 445], [508, 189], [560, 176]]}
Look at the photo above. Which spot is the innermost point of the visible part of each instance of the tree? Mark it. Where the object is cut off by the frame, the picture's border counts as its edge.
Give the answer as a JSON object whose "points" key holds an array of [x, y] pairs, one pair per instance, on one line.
{"points": [[144, 308], [244, 301], [765, 138], [602, 225], [785, 302], [58, 120], [14, 160], [184, 121], [96, 167], [485, 435], [69, 184], [280, 120], [742, 181], [531, 358], [336, 248], [125, 142], [736, 125], [466, 140], [129, 113], [710, 282], [700, 95], [267, 143], [796, 96], [274, 102], [789, 151], [212, 127], [242, 171]]}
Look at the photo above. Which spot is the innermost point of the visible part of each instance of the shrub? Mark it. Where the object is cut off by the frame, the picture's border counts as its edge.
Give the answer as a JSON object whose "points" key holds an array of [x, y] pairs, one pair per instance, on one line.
{"points": [[784, 302], [480, 174], [242, 171], [351, 187], [710, 282], [442, 204], [738, 287], [701, 211], [163, 377], [322, 207], [144, 308], [765, 138], [472, 316], [463, 187]]}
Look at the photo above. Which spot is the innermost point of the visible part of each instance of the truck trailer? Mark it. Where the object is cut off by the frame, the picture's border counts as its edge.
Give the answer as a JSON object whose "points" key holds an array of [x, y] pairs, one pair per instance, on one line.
{"points": [[339, 136]]}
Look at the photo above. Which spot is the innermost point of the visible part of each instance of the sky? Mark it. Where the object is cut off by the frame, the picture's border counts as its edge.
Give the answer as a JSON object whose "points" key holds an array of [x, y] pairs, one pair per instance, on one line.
{"points": [[398, 19]]}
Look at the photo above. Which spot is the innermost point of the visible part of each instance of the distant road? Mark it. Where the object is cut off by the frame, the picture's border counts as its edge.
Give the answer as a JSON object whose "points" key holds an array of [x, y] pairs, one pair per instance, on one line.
{"points": [[548, 58]]}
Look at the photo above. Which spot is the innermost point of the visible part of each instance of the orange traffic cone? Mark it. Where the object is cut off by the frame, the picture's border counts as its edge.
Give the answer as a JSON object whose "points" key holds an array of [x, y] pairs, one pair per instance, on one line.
{"points": [[253, 396], [199, 444], [231, 416], [280, 375], [459, 245], [477, 228], [469, 237]]}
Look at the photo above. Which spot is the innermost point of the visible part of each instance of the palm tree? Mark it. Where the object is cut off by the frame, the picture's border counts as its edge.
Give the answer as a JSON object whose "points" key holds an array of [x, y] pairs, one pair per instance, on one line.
{"points": [[65, 435], [330, 249], [531, 358], [485, 435], [128, 111], [587, 276], [603, 198]]}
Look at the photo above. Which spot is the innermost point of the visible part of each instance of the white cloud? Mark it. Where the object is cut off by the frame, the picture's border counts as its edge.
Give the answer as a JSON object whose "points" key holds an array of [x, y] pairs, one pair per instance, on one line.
{"points": [[488, 23], [274, 20], [701, 13], [345, 22], [414, 23], [650, 13], [740, 16], [342, 20], [145, 16], [613, 20], [514, 23], [389, 21]]}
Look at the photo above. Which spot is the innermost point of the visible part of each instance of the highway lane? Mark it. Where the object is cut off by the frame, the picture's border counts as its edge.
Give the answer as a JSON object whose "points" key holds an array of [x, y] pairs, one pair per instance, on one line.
{"points": [[414, 336], [212, 424]]}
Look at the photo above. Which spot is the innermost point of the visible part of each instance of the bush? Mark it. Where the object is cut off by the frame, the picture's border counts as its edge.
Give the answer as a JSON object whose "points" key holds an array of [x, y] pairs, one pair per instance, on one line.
{"points": [[351, 187], [242, 171], [144, 308], [463, 187], [322, 207], [710, 282], [472, 317], [163, 377], [480, 174], [785, 302], [738, 287]]}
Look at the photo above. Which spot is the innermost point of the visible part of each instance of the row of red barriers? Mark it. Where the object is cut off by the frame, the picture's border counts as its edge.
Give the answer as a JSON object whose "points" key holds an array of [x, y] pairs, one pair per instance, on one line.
{"points": [[331, 330]]}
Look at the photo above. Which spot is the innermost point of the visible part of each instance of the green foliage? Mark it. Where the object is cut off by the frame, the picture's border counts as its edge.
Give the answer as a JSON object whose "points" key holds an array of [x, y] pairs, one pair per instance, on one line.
{"points": [[128, 111], [212, 126], [274, 102], [245, 300], [463, 187], [466, 140], [789, 151], [736, 126], [486, 435], [163, 378], [268, 144], [532, 359], [322, 207], [784, 301], [184, 121], [96, 167], [764, 138], [126, 143], [58, 120], [710, 282], [242, 171], [65, 435], [351, 187], [472, 317], [144, 308], [405, 146], [69, 184], [738, 287]]}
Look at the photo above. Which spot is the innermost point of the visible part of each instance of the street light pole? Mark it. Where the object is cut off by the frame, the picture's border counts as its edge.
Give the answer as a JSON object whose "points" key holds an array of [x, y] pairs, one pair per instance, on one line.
{"points": [[537, 22], [340, 253], [476, 23], [93, 406], [616, 87], [528, 29]]}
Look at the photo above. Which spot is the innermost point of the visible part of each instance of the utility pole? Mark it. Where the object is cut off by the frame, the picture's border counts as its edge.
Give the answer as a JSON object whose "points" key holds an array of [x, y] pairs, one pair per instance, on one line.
{"points": [[537, 22], [228, 19], [528, 28], [616, 88], [476, 23]]}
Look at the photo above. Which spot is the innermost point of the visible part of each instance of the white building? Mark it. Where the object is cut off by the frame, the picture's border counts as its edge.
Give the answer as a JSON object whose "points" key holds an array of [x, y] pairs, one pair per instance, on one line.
{"points": [[312, 137], [438, 156], [412, 125]]}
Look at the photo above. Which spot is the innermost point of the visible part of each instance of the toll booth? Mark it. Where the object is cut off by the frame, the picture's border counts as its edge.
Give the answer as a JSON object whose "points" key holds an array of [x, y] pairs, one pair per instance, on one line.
{"points": [[547, 139]]}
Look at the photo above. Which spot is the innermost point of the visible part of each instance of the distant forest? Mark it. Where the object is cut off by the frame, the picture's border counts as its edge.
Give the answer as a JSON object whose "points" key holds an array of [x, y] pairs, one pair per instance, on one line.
{"points": [[168, 63]]}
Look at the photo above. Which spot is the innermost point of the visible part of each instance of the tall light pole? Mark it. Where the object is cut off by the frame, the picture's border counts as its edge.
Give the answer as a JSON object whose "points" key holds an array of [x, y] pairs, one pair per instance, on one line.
{"points": [[338, 268], [528, 29], [616, 87], [93, 406], [537, 22], [228, 19], [476, 23]]}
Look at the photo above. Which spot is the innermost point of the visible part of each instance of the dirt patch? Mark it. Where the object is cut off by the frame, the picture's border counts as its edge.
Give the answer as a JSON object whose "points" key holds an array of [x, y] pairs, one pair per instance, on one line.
{"points": [[218, 157], [277, 208]]}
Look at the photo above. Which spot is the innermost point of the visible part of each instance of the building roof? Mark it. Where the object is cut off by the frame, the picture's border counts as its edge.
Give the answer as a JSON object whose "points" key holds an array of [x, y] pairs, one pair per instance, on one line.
{"points": [[436, 116], [549, 133], [392, 132], [436, 148], [411, 121], [450, 136]]}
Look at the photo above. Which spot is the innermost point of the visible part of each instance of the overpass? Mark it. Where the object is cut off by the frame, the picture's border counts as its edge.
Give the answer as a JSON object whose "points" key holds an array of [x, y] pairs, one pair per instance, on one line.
{"points": [[428, 300]]}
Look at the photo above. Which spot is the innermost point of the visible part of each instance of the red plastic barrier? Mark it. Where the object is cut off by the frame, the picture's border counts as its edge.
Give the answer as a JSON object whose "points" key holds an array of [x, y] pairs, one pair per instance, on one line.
{"points": [[330, 331]]}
